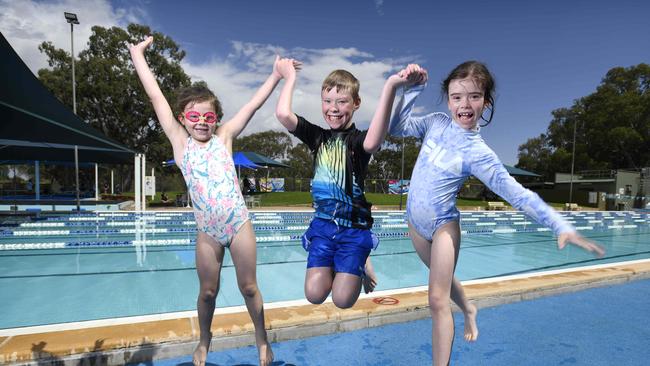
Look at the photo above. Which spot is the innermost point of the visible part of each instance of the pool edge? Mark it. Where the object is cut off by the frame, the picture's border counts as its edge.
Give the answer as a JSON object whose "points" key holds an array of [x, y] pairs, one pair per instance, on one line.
{"points": [[140, 341]]}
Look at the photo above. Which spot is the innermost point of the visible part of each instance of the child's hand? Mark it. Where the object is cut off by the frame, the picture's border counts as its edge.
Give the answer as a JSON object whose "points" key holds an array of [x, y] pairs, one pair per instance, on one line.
{"points": [[286, 67], [579, 240], [140, 47], [414, 74]]}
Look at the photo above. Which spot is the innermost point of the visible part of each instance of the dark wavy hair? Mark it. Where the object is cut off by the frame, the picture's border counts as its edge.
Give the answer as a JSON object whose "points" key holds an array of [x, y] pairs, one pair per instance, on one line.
{"points": [[197, 93], [483, 78]]}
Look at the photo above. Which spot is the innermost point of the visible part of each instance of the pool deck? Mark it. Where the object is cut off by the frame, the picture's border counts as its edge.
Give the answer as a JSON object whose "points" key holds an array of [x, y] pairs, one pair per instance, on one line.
{"points": [[142, 339]]}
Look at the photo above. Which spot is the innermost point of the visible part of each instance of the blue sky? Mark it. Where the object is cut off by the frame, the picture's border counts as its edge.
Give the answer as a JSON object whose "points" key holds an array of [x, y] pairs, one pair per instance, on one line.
{"points": [[544, 54]]}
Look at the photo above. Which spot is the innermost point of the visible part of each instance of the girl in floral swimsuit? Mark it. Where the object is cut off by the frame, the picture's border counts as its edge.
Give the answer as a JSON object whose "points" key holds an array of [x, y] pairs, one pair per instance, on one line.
{"points": [[209, 172], [204, 154]]}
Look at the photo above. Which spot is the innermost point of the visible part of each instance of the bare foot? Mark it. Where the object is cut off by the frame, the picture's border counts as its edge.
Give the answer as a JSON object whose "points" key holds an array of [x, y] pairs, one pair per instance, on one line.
{"points": [[471, 329], [201, 352], [369, 279], [266, 354]]}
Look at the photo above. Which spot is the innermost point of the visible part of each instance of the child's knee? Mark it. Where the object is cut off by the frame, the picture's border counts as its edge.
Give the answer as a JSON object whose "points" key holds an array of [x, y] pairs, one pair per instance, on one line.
{"points": [[343, 303], [249, 289], [315, 297], [208, 293], [438, 301]]}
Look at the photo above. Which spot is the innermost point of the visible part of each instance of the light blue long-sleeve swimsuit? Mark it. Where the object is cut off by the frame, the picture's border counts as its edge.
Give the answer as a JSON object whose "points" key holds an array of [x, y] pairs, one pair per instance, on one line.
{"points": [[449, 155]]}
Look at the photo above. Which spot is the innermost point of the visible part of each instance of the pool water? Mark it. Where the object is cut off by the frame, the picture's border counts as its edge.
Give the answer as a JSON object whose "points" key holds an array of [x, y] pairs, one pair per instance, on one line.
{"points": [[67, 268]]}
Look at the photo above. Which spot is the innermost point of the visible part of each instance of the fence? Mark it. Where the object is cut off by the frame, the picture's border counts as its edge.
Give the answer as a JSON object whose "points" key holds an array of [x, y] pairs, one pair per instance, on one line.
{"points": [[292, 184]]}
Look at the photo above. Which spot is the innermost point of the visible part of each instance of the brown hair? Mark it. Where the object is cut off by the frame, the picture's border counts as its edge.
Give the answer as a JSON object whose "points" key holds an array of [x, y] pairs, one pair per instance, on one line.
{"points": [[343, 81], [483, 78], [197, 93]]}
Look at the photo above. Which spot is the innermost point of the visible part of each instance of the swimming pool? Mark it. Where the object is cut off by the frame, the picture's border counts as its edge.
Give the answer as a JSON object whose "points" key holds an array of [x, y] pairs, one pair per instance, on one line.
{"points": [[66, 268]]}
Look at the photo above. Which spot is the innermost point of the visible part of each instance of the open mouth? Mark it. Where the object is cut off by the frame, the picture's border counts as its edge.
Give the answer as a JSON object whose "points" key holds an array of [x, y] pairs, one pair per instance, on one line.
{"points": [[465, 116], [335, 117]]}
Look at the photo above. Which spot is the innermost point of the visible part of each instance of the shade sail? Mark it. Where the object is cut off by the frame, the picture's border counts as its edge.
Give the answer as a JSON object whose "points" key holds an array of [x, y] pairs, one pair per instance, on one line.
{"points": [[262, 160], [243, 162], [520, 172], [35, 125]]}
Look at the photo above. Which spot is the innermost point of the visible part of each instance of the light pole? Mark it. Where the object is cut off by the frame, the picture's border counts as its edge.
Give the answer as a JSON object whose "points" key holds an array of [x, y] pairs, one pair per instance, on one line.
{"points": [[72, 19], [401, 178], [573, 158]]}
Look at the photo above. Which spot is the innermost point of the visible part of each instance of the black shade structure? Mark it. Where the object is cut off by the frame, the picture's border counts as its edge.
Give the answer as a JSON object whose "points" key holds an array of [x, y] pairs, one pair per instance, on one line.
{"points": [[517, 172], [34, 125], [262, 160]]}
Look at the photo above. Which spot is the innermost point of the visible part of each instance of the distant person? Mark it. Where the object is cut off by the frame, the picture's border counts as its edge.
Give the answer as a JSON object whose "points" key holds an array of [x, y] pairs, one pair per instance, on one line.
{"points": [[164, 198], [55, 186], [247, 186], [29, 186], [338, 239], [202, 148], [452, 150]]}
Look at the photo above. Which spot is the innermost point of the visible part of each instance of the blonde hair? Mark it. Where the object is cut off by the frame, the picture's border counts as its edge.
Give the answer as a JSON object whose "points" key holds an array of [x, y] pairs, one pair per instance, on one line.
{"points": [[343, 81]]}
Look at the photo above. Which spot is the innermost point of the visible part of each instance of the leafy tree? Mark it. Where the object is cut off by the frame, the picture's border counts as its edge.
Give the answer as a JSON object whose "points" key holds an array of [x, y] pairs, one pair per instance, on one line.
{"points": [[272, 144], [109, 94], [612, 128], [301, 161], [387, 162]]}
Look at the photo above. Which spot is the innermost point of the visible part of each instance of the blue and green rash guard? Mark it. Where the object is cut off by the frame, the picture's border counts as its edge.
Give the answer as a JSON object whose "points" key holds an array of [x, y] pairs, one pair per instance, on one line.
{"points": [[340, 165], [449, 155]]}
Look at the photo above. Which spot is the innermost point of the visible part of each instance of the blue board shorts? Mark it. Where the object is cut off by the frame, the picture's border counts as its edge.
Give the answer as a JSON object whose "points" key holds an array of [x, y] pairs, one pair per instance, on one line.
{"points": [[342, 248]]}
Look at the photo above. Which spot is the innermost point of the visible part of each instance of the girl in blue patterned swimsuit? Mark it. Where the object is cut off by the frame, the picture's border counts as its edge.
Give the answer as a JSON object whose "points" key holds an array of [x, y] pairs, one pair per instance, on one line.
{"points": [[204, 154], [452, 150]]}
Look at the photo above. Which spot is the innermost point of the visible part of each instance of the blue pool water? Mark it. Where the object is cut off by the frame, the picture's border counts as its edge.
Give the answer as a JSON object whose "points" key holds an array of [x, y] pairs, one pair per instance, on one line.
{"points": [[89, 266]]}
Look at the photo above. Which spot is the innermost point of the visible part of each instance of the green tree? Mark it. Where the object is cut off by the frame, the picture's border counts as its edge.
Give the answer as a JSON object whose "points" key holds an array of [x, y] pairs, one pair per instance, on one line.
{"points": [[272, 144], [300, 159], [387, 162], [109, 94], [534, 154], [612, 128]]}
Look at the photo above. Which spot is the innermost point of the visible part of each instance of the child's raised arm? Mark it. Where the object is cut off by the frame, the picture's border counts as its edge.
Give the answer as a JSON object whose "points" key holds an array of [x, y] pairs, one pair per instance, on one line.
{"points": [[283, 111], [412, 74], [174, 131], [234, 127], [403, 123]]}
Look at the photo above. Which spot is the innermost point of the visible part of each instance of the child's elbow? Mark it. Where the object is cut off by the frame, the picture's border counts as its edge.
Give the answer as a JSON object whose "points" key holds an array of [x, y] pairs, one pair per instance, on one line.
{"points": [[371, 147], [283, 115]]}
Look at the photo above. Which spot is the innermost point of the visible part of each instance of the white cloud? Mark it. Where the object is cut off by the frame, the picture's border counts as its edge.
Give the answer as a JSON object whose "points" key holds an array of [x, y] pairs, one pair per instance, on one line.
{"points": [[379, 5], [234, 77], [26, 24]]}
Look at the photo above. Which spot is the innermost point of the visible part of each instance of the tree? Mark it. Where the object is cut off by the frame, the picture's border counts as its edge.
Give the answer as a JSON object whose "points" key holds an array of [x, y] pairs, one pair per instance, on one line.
{"points": [[109, 94], [387, 162], [301, 161], [535, 156], [612, 128], [272, 144]]}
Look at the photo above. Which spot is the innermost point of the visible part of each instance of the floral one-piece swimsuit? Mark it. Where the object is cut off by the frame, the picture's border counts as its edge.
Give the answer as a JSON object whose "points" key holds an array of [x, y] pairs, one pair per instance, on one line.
{"points": [[211, 178]]}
